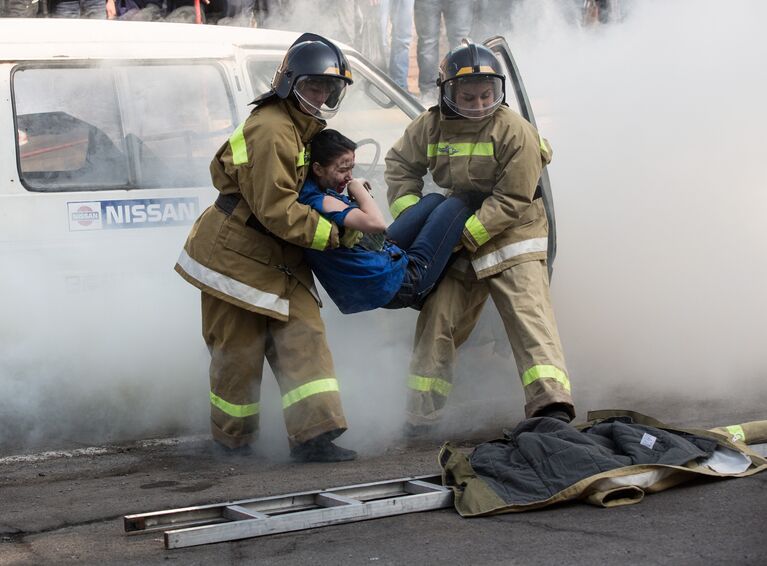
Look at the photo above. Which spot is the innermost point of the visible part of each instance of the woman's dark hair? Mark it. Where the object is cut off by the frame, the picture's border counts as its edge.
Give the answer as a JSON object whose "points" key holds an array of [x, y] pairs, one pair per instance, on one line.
{"points": [[328, 145]]}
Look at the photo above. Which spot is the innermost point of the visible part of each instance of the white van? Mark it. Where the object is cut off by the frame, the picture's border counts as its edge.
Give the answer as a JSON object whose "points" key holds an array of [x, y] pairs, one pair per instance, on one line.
{"points": [[109, 129]]}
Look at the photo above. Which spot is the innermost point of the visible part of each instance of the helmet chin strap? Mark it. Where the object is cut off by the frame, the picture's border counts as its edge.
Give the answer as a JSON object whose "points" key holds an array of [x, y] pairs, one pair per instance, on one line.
{"points": [[303, 107], [307, 109]]}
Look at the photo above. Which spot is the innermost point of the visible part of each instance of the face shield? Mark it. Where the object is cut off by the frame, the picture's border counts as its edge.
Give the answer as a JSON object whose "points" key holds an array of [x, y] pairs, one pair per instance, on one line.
{"points": [[473, 97], [320, 96]]}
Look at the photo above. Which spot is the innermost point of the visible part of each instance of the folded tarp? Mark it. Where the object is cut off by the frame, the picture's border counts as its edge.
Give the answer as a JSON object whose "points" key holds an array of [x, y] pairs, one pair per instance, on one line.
{"points": [[614, 459]]}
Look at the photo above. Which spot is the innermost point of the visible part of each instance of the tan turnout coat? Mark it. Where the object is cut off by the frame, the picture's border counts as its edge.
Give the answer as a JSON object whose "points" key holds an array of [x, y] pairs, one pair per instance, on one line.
{"points": [[502, 157], [265, 162]]}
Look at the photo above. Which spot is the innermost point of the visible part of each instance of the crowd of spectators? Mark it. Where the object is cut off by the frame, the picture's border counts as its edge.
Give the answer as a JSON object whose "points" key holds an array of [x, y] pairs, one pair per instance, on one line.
{"points": [[204, 11], [383, 30]]}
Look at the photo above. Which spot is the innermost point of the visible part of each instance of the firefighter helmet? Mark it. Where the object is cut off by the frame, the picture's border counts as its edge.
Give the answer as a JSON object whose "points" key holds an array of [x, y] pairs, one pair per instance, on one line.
{"points": [[471, 82], [316, 71]]}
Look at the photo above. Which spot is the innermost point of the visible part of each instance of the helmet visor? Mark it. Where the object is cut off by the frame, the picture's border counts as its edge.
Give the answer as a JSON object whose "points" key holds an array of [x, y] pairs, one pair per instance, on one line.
{"points": [[473, 97], [320, 96]]}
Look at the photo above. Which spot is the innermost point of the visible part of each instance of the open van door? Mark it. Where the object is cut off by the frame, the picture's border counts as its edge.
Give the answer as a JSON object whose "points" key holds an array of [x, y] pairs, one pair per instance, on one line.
{"points": [[516, 97]]}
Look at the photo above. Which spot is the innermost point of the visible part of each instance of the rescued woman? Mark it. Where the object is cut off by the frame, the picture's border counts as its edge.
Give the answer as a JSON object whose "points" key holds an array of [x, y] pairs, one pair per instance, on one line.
{"points": [[376, 266]]}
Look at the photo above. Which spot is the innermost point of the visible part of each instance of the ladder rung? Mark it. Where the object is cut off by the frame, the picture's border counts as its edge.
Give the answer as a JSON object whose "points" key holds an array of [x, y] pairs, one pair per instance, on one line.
{"points": [[418, 486], [237, 513], [329, 499]]}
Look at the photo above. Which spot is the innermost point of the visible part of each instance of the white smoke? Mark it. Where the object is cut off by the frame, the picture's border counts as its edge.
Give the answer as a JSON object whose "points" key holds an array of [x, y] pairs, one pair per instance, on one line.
{"points": [[656, 123], [87, 359], [657, 126]]}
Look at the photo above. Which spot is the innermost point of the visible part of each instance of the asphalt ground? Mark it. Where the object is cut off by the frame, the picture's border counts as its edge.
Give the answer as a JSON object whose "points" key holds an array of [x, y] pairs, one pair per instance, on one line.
{"points": [[67, 507]]}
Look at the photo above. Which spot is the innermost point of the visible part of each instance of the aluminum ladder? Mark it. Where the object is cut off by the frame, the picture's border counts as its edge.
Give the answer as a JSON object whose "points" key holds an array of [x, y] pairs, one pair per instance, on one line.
{"points": [[247, 518]]}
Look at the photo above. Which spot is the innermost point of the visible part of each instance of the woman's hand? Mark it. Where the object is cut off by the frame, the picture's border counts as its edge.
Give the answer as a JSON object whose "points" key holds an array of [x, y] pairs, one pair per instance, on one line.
{"points": [[357, 187], [368, 217]]}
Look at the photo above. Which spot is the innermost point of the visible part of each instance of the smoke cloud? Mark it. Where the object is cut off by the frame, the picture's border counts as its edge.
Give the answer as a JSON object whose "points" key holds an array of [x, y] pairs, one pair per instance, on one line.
{"points": [[656, 123]]}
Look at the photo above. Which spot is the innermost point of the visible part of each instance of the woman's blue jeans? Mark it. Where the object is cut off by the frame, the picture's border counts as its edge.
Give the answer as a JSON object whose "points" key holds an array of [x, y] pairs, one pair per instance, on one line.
{"points": [[427, 231]]}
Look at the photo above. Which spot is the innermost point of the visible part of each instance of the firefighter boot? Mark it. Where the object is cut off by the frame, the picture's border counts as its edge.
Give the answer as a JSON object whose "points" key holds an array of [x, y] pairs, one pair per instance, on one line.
{"points": [[322, 449], [417, 431], [221, 452]]}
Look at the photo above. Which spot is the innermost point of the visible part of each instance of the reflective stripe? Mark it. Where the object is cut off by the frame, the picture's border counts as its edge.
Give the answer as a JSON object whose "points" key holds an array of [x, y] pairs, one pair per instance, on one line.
{"points": [[507, 252], [477, 230], [467, 70], [545, 372], [544, 146], [321, 235], [304, 157], [426, 384], [482, 149], [301, 392], [737, 432], [239, 149], [232, 287], [399, 205], [240, 411]]}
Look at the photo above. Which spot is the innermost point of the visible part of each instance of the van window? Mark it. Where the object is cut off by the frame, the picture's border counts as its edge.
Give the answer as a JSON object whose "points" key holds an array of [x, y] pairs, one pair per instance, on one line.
{"points": [[368, 113], [131, 126], [68, 128]]}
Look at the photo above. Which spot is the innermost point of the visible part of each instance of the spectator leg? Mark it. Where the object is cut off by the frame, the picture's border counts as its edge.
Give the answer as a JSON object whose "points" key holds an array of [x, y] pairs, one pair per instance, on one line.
{"points": [[93, 9], [401, 14], [427, 19], [68, 9], [459, 16]]}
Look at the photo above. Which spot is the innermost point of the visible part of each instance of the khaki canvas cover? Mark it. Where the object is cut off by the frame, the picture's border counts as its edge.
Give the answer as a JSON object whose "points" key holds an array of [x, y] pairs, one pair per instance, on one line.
{"points": [[614, 459]]}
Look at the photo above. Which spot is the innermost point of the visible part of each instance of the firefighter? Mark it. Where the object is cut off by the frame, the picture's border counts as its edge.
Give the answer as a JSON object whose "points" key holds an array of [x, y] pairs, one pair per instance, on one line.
{"points": [[245, 254], [480, 150]]}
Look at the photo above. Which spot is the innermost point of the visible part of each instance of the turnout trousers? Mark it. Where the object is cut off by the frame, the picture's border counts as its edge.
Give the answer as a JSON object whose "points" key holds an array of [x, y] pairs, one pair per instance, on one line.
{"points": [[521, 295], [297, 351]]}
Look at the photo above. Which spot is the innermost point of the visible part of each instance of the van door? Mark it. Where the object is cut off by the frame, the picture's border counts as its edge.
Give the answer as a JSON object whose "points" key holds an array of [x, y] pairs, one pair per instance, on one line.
{"points": [[516, 98]]}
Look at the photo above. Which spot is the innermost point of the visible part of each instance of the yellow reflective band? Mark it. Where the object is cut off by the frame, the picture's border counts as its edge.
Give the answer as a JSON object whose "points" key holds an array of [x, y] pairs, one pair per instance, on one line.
{"points": [[348, 74], [545, 372], [426, 384], [304, 157], [481, 149], [321, 235], [240, 411], [477, 230], [467, 70], [239, 149], [737, 433], [544, 147], [402, 203], [301, 392]]}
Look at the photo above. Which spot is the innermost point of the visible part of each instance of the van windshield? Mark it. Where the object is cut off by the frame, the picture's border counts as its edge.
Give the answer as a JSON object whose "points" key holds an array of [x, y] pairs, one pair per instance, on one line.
{"points": [[131, 126]]}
